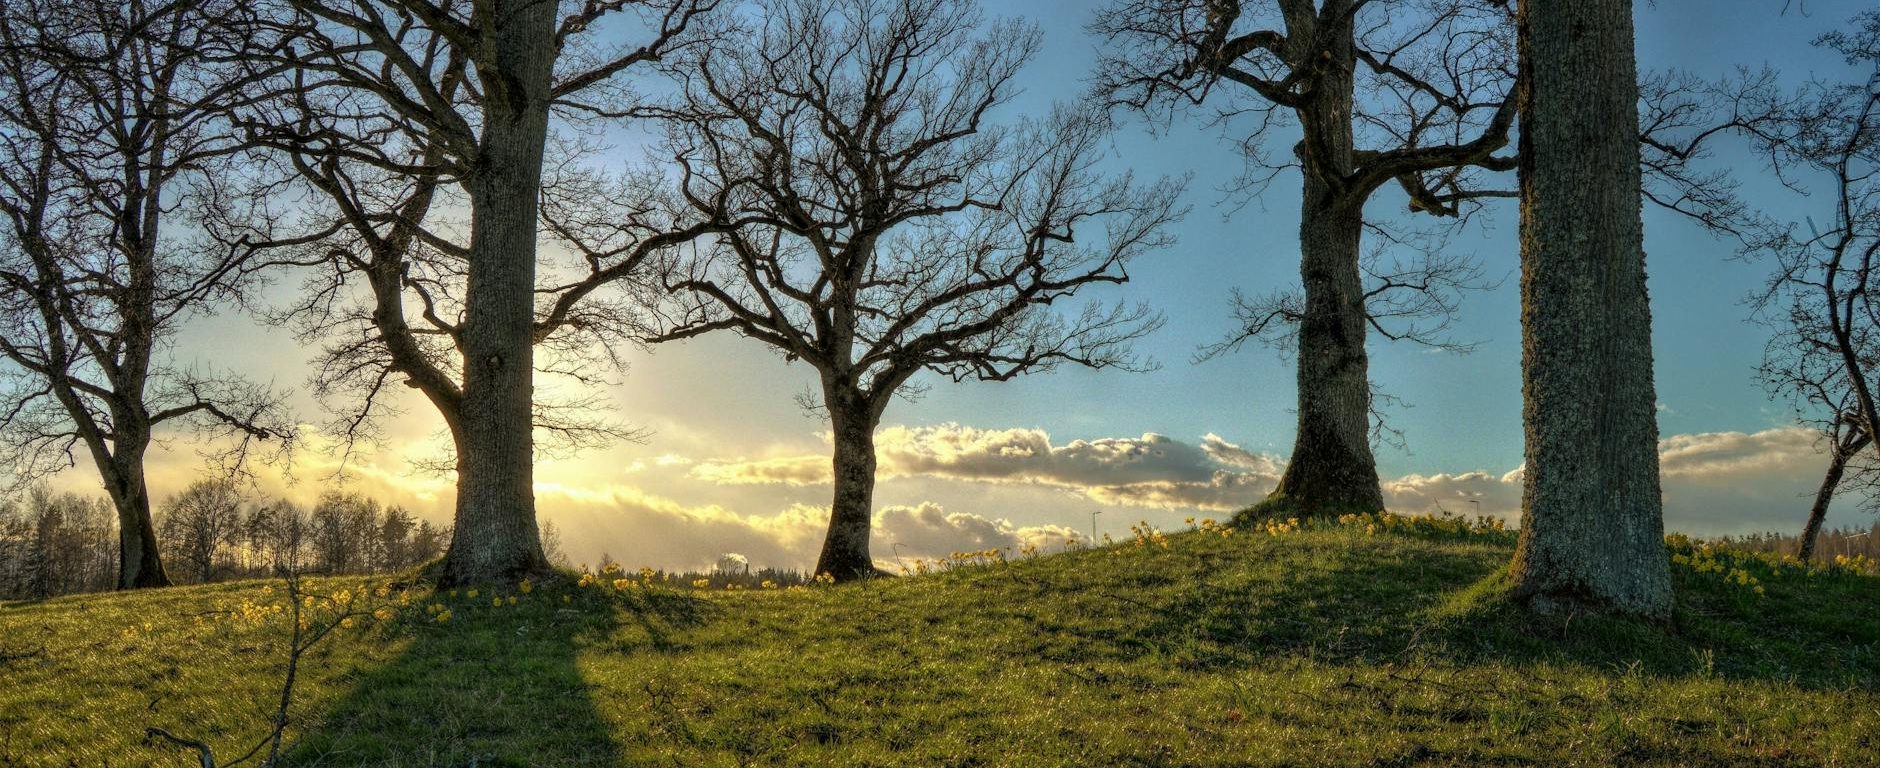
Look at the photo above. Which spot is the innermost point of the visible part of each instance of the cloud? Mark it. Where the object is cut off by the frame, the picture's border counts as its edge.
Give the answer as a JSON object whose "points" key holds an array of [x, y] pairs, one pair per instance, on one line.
{"points": [[637, 528], [1714, 483], [1152, 471], [929, 531], [1494, 494], [640, 528], [787, 470]]}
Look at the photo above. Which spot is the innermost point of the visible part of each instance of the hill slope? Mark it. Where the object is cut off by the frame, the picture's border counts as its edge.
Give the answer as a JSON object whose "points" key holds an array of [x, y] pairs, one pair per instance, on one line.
{"points": [[1338, 646]]}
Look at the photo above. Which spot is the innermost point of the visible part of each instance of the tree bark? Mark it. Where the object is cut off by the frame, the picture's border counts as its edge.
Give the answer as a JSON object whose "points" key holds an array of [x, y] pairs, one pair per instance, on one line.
{"points": [[496, 538], [1818, 512], [1332, 470], [1592, 532], [140, 565], [845, 552], [1840, 452]]}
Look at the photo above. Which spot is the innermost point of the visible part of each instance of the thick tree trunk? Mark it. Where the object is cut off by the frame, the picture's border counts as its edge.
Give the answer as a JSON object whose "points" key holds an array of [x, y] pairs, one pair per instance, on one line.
{"points": [[496, 538], [1332, 470], [139, 564], [1592, 531], [845, 553]]}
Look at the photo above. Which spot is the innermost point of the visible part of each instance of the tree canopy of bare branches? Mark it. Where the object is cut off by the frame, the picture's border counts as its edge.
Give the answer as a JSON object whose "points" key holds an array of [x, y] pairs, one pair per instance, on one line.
{"points": [[114, 144], [883, 224]]}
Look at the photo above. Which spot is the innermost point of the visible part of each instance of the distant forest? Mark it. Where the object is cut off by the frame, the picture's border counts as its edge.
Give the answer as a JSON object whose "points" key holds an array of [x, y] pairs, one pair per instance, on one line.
{"points": [[62, 543]]}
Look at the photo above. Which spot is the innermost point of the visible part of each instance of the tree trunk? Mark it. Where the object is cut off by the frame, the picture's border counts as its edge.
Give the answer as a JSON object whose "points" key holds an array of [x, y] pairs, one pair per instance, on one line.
{"points": [[1592, 531], [845, 554], [139, 564], [1841, 451], [496, 538], [1837, 464], [1332, 470]]}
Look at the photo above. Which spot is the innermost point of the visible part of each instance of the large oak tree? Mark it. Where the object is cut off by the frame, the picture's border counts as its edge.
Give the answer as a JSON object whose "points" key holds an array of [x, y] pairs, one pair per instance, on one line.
{"points": [[885, 224], [1415, 94], [395, 108]]}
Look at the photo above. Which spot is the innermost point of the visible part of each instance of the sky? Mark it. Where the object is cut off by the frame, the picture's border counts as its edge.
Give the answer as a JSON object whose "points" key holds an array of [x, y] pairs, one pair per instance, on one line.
{"points": [[732, 464]]}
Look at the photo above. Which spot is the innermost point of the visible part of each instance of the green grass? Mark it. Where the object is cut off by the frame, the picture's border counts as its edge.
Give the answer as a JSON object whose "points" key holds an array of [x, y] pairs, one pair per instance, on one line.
{"points": [[1327, 646]]}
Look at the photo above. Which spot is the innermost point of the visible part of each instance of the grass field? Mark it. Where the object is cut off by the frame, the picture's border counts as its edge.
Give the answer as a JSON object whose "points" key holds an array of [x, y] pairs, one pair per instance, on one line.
{"points": [[1354, 644]]}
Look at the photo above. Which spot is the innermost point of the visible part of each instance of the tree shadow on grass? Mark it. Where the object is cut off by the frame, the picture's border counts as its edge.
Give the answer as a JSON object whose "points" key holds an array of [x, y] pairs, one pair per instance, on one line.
{"points": [[1375, 602], [491, 686]]}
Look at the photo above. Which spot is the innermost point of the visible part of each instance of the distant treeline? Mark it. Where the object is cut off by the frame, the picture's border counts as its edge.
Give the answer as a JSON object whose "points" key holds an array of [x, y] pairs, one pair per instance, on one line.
{"points": [[61, 543], [1838, 542]]}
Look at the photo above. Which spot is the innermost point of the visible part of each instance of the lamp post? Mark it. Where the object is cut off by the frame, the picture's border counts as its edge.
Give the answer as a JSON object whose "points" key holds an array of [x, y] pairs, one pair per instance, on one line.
{"points": [[1093, 527]]}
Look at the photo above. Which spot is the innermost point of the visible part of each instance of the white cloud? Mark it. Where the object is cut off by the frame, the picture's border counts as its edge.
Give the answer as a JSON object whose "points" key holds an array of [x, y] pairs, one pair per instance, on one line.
{"points": [[1152, 471], [928, 531]]}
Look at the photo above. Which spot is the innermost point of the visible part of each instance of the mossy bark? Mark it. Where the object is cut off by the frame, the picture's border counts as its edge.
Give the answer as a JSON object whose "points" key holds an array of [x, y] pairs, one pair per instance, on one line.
{"points": [[1592, 525]]}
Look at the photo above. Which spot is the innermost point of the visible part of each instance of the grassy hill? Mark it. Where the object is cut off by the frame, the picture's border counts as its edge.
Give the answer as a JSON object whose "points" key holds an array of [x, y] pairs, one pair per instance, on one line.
{"points": [[1354, 644]]}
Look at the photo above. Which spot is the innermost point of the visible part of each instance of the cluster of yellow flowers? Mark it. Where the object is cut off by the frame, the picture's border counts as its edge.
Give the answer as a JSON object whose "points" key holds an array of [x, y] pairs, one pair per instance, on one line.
{"points": [[607, 579], [1426, 524], [958, 560], [1208, 525], [1145, 535], [1703, 559], [612, 577], [1276, 527], [313, 608], [1857, 564]]}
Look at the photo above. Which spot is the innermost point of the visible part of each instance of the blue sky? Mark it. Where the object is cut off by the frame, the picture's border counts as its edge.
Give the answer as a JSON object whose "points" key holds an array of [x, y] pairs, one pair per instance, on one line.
{"points": [[731, 463]]}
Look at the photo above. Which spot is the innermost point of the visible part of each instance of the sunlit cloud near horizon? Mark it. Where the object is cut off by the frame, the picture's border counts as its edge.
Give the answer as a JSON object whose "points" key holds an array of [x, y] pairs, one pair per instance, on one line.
{"points": [[950, 487]]}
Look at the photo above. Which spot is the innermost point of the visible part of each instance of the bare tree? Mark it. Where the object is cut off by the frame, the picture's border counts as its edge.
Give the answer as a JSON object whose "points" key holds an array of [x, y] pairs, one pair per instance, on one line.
{"points": [[1592, 522], [1820, 300], [1413, 93], [398, 110], [275, 533], [112, 142], [201, 526], [884, 226]]}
